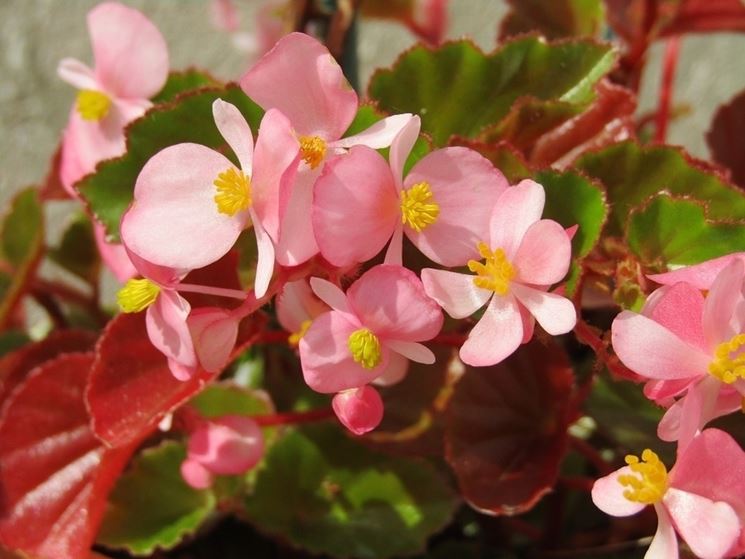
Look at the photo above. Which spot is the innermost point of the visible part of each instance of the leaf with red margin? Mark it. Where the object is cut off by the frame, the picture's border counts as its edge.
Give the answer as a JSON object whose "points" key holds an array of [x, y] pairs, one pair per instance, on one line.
{"points": [[131, 388], [702, 16], [506, 428], [726, 137], [16, 365], [54, 473]]}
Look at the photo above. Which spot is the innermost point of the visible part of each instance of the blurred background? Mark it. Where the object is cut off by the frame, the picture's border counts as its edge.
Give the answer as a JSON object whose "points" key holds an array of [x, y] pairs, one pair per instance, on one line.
{"points": [[36, 34]]}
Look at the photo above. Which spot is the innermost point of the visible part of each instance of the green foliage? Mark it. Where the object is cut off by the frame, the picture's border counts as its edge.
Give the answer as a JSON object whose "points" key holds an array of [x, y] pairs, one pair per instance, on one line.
{"points": [[77, 251], [180, 82], [554, 18], [459, 90], [151, 506], [327, 494]]}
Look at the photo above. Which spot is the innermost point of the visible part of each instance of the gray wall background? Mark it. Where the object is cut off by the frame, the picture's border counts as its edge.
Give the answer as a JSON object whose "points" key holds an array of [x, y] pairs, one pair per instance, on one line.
{"points": [[36, 34]]}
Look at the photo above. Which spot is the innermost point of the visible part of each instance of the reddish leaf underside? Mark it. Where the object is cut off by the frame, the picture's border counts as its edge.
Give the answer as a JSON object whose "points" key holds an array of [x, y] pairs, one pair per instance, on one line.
{"points": [[506, 430], [701, 16], [54, 473], [726, 137]]}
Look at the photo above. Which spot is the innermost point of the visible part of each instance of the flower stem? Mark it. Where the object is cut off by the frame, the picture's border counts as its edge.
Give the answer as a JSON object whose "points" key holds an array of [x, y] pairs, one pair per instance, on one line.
{"points": [[216, 291], [669, 64], [294, 418]]}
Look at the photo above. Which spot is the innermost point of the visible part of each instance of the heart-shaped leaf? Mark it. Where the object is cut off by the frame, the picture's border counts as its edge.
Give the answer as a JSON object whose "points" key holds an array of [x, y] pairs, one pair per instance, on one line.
{"points": [[727, 136]]}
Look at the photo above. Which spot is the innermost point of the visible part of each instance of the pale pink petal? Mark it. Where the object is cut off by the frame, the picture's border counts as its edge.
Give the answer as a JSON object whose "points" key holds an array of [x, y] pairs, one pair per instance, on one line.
{"points": [[195, 475], [224, 15], [214, 332], [607, 494], [679, 308], [544, 254], [355, 207], [301, 78], [330, 294], [664, 544], [454, 292], [528, 324], [379, 135], [297, 303], [391, 301], [167, 329], [131, 54], [394, 254], [651, 350], [230, 445], [555, 314], [162, 275], [174, 220], [180, 371], [465, 186], [496, 335], [265, 258], [429, 20], [297, 240], [395, 372], [276, 158], [327, 363], [401, 148], [721, 303], [517, 208], [700, 276], [360, 409], [76, 74], [412, 350], [709, 528], [113, 255], [233, 127], [698, 407]]}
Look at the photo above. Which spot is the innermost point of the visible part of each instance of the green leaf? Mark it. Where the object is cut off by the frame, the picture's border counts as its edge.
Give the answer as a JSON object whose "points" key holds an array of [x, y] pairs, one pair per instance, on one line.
{"points": [[12, 339], [632, 174], [225, 398], [670, 230], [77, 250], [151, 506], [189, 119], [459, 90], [554, 18], [180, 82], [328, 495]]}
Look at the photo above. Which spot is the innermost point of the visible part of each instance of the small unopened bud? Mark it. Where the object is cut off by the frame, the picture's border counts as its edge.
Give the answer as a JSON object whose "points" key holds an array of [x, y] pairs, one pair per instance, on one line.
{"points": [[360, 409]]}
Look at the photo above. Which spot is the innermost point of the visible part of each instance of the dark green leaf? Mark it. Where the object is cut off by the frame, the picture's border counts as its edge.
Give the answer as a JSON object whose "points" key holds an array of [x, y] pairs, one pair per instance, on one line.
{"points": [[77, 251], [12, 339], [554, 18], [180, 82]]}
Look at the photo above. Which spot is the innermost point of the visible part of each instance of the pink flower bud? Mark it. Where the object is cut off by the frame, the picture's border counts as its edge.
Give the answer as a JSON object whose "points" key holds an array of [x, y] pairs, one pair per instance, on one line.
{"points": [[359, 409]]}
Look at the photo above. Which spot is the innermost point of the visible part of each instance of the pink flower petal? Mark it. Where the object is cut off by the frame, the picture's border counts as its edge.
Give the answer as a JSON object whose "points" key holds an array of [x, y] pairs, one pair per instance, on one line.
{"points": [[113, 255], [662, 391], [214, 332], [651, 350], [698, 407], [607, 494], [517, 208], [391, 301], [180, 371], [162, 275], [700, 276], [275, 169], [679, 308], [379, 135], [454, 292], [195, 475], [327, 363], [709, 528], [555, 314], [401, 148], [174, 220], [297, 303], [465, 186], [330, 294], [265, 258], [544, 254], [230, 445], [131, 54], [496, 335], [77, 74], [721, 302], [165, 321], [395, 372], [355, 207], [297, 240], [413, 351], [234, 128], [301, 78], [664, 544], [394, 254], [360, 409]]}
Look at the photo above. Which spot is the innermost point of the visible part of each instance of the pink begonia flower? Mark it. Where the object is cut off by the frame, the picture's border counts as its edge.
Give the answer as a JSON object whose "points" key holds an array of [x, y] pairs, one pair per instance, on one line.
{"points": [[297, 307], [191, 203], [301, 78], [359, 409], [230, 445], [702, 498], [691, 344], [443, 205], [224, 15], [700, 276], [371, 332], [523, 256], [169, 325], [131, 65]]}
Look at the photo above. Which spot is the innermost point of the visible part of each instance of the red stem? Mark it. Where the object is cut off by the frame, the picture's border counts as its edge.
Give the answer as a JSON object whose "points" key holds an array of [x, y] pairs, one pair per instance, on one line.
{"points": [[587, 335], [591, 455], [669, 64], [294, 418]]}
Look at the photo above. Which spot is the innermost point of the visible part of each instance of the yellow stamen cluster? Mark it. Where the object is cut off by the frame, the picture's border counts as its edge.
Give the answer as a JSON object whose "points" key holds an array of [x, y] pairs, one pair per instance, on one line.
{"points": [[726, 367], [495, 273], [365, 348], [233, 192], [137, 295], [650, 485], [418, 209], [93, 105], [294, 339], [312, 150]]}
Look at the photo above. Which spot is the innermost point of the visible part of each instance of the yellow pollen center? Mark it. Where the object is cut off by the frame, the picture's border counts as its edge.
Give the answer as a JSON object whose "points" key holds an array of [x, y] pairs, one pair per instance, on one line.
{"points": [[92, 104], [418, 209], [312, 150], [233, 192], [729, 365], [495, 272], [650, 483], [365, 348], [294, 339], [137, 295]]}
